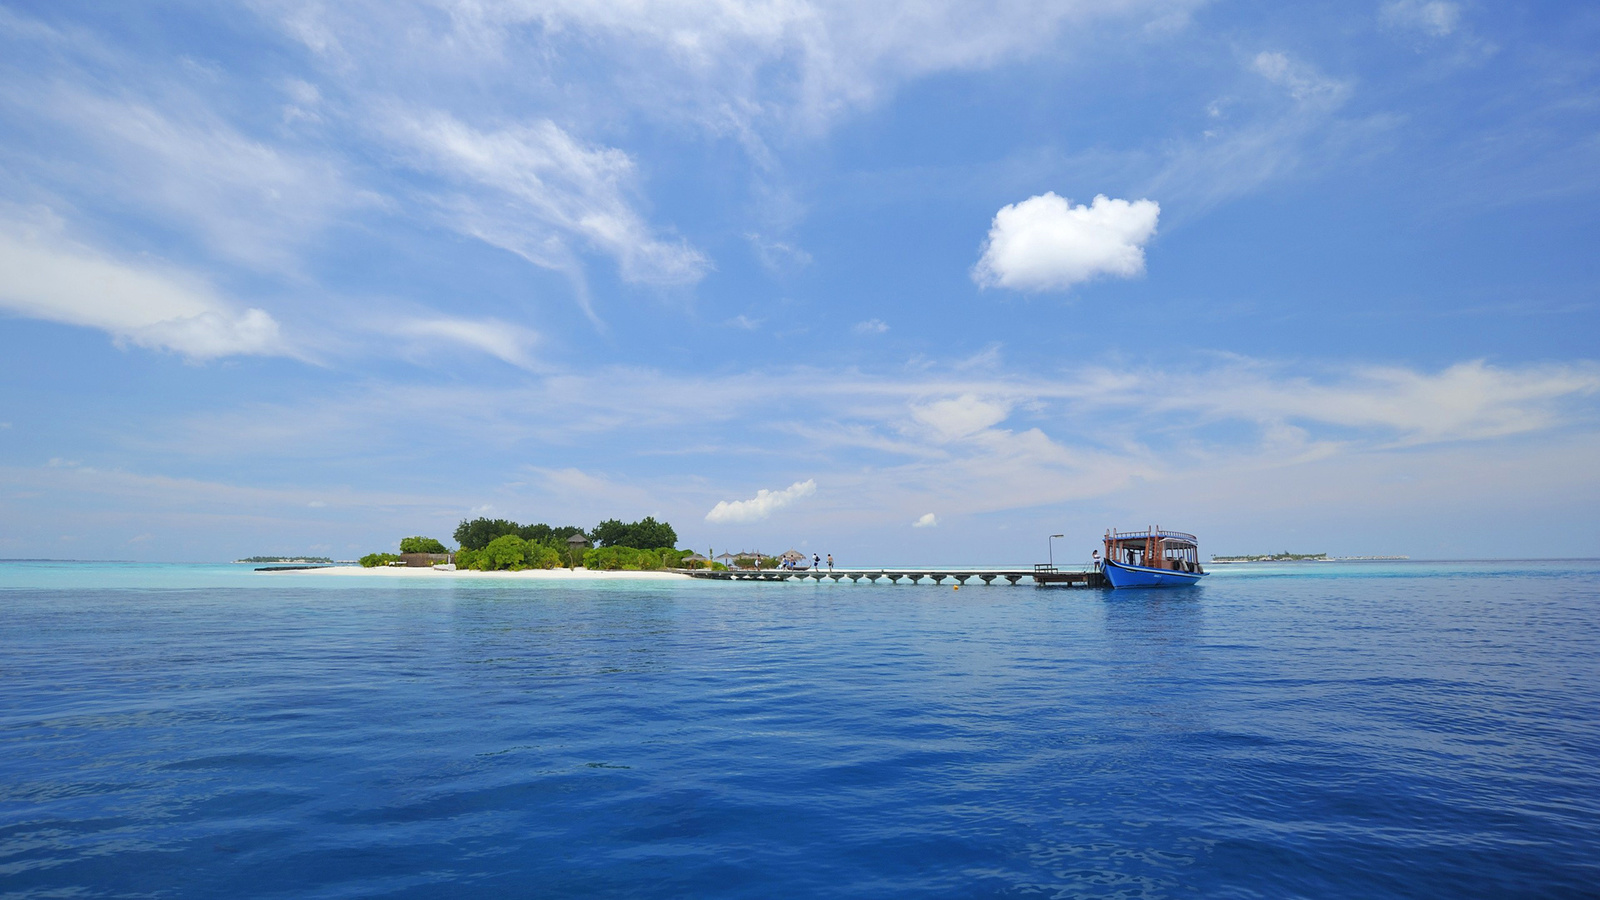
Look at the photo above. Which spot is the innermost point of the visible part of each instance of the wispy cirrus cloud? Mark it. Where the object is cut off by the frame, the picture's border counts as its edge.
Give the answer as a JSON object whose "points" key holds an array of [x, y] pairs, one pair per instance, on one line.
{"points": [[502, 340], [890, 446], [733, 66], [532, 188], [1436, 18], [50, 277]]}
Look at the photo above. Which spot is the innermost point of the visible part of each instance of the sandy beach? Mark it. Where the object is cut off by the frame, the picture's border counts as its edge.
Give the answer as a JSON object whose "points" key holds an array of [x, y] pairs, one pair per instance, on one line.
{"points": [[579, 574]]}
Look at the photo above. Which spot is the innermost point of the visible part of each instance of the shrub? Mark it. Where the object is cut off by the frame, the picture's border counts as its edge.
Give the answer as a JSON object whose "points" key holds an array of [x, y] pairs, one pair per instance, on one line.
{"points": [[467, 559], [421, 545], [505, 552], [628, 558], [373, 560], [544, 556]]}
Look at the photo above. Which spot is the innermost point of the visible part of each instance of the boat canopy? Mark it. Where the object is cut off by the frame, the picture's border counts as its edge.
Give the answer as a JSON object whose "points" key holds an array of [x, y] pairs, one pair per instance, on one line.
{"points": [[1154, 548]]}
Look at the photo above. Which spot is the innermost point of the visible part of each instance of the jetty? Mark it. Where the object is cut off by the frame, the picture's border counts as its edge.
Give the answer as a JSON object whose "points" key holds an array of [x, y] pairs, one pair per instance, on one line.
{"points": [[1038, 576]]}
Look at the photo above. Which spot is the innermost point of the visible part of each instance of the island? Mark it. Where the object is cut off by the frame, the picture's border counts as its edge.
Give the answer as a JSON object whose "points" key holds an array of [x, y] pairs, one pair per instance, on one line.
{"points": [[502, 546], [1298, 557]]}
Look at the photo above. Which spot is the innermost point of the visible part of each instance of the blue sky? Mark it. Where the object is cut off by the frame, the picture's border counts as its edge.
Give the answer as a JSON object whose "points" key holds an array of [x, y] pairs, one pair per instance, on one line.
{"points": [[904, 282]]}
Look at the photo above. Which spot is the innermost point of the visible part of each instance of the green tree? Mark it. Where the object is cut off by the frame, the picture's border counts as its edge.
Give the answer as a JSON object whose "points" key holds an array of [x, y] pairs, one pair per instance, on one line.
{"points": [[627, 558], [421, 545], [644, 534], [544, 556], [610, 533], [505, 552], [476, 534], [372, 560]]}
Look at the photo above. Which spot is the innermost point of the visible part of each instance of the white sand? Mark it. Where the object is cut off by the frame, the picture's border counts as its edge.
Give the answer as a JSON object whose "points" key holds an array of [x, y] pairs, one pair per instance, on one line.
{"points": [[580, 574]]}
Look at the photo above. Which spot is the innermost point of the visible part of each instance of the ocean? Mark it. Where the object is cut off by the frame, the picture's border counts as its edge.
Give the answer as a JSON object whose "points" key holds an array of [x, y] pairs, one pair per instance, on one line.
{"points": [[1314, 730]]}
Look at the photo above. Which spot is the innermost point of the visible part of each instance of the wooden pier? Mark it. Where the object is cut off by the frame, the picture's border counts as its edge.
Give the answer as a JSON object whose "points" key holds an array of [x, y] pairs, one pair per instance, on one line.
{"points": [[1039, 576]]}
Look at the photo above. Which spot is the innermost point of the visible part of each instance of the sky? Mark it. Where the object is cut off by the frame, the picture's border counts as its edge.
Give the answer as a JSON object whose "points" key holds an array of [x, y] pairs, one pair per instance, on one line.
{"points": [[903, 282]]}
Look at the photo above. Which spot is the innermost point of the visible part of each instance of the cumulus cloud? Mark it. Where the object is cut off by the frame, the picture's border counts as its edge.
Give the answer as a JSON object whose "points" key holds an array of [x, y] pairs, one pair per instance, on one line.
{"points": [[762, 505], [1045, 243], [534, 186], [50, 278], [928, 520]]}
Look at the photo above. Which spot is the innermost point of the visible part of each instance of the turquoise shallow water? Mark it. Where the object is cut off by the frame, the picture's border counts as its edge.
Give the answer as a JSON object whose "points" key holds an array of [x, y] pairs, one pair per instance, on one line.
{"points": [[1374, 730]]}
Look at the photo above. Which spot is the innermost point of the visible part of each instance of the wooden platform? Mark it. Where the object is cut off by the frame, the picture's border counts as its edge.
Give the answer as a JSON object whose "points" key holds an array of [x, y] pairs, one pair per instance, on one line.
{"points": [[1039, 576]]}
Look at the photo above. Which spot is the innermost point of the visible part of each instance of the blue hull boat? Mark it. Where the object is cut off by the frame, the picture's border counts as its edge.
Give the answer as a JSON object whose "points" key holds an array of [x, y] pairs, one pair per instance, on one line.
{"points": [[1151, 558], [1124, 576]]}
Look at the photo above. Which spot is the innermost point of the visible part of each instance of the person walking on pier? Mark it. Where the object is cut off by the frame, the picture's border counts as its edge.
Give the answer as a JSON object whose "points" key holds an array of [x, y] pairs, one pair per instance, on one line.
{"points": [[816, 561], [830, 562]]}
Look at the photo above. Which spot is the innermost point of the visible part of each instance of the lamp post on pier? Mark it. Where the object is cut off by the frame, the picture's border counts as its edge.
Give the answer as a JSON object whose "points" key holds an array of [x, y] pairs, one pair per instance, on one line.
{"points": [[1052, 546]]}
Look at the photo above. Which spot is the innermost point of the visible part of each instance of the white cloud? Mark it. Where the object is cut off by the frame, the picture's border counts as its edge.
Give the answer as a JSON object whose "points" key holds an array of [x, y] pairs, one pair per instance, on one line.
{"points": [[1466, 401], [778, 257], [1046, 243], [762, 505], [1304, 83], [1436, 18], [729, 63], [181, 164], [928, 520], [50, 278], [959, 417], [871, 326], [538, 186], [962, 442], [502, 340], [1283, 121]]}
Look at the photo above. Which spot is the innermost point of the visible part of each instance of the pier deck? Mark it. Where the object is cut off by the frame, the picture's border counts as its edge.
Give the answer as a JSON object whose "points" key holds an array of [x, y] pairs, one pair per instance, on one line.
{"points": [[1039, 576]]}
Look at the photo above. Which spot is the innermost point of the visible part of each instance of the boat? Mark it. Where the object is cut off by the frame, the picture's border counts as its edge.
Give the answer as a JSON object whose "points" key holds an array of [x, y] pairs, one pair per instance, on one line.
{"points": [[1151, 558]]}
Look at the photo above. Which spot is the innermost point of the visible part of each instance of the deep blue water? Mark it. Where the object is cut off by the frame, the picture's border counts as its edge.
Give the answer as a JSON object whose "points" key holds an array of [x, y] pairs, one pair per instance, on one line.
{"points": [[1361, 730]]}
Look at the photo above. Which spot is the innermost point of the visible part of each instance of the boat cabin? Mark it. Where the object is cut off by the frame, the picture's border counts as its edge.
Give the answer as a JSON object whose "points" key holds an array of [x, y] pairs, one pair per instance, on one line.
{"points": [[1154, 549]]}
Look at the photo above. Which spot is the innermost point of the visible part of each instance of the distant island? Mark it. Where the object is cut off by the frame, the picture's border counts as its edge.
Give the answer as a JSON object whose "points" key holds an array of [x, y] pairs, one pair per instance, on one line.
{"points": [[1295, 557], [285, 559]]}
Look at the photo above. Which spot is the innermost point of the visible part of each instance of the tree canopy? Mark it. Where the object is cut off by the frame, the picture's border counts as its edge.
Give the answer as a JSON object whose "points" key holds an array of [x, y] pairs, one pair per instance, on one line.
{"points": [[645, 534], [478, 533], [421, 545]]}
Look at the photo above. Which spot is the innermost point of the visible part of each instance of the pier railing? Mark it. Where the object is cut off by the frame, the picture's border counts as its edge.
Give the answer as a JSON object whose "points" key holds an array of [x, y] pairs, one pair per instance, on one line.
{"points": [[1041, 576]]}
